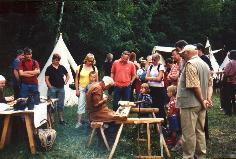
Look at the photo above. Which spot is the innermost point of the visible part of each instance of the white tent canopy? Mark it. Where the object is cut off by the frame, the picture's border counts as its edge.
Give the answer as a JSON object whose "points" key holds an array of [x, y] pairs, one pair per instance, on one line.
{"points": [[158, 49], [225, 62], [162, 49], [68, 62], [212, 58]]}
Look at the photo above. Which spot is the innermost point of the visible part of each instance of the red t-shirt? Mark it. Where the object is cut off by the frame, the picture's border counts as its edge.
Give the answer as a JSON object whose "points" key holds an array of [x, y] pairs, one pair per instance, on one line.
{"points": [[123, 73], [172, 110], [29, 65]]}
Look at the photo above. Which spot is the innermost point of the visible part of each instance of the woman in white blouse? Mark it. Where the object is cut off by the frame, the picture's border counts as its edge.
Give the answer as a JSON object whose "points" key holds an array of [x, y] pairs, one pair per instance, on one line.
{"points": [[155, 76]]}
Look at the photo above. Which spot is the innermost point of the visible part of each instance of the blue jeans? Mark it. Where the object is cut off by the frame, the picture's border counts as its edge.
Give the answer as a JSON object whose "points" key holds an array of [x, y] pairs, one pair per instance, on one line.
{"points": [[27, 89], [120, 93], [57, 93]]}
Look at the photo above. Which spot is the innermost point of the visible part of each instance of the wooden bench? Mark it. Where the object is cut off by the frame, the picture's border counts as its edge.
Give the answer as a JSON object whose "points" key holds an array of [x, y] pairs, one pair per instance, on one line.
{"points": [[147, 122], [98, 125]]}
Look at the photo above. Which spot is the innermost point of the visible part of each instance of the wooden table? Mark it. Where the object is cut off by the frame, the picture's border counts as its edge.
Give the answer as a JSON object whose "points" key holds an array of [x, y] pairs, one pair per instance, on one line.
{"points": [[123, 112], [7, 126], [27, 115]]}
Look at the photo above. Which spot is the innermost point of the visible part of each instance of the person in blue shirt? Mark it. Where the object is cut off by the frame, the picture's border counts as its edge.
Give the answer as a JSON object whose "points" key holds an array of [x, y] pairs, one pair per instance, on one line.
{"points": [[16, 79]]}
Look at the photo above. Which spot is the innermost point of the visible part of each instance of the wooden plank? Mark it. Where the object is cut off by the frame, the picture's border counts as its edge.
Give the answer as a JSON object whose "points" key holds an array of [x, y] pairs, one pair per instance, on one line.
{"points": [[96, 124], [140, 121], [116, 141], [144, 110], [29, 129], [149, 157], [5, 131]]}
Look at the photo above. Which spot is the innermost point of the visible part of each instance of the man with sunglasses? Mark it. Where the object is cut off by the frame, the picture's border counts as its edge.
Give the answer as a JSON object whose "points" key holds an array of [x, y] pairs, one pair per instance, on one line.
{"points": [[54, 78]]}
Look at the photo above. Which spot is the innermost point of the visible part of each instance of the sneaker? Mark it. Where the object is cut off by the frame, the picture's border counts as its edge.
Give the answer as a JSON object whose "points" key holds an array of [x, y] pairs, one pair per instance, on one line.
{"points": [[78, 125]]}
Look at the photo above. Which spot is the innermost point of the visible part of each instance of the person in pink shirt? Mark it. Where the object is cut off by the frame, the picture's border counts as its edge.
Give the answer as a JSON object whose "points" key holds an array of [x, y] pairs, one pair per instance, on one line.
{"points": [[123, 73], [174, 73], [230, 79]]}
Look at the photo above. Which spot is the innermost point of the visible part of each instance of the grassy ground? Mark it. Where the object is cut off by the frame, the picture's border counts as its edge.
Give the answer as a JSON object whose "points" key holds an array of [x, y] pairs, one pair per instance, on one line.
{"points": [[71, 142]]}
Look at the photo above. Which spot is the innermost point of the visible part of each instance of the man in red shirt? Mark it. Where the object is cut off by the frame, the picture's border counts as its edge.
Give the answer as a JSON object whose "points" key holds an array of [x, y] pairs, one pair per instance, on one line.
{"points": [[28, 71], [123, 73]]}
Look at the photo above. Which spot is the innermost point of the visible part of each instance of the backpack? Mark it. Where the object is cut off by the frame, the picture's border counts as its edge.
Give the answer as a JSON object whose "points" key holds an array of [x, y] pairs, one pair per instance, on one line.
{"points": [[81, 67], [158, 67], [46, 137], [72, 85], [143, 76]]}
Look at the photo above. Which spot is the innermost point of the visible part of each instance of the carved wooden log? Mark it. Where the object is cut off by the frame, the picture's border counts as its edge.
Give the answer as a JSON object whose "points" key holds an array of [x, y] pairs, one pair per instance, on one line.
{"points": [[149, 157], [145, 110], [140, 121]]}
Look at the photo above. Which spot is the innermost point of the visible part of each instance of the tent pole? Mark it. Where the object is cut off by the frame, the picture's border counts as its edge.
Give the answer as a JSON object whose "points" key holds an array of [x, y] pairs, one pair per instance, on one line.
{"points": [[59, 22]]}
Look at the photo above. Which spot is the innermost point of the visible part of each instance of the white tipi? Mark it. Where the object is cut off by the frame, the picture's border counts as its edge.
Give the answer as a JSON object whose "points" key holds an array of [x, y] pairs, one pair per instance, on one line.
{"points": [[225, 62], [68, 62], [212, 58]]}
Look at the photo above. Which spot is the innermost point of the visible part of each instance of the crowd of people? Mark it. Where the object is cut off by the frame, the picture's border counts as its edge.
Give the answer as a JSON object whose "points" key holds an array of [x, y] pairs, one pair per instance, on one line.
{"points": [[181, 89]]}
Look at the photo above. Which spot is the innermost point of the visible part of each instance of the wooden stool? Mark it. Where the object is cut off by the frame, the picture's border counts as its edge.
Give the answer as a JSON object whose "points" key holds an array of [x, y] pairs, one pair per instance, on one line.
{"points": [[96, 125]]}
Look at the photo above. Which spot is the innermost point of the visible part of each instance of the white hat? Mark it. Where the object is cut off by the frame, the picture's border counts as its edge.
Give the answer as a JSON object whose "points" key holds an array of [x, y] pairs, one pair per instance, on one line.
{"points": [[108, 80], [188, 48], [2, 78]]}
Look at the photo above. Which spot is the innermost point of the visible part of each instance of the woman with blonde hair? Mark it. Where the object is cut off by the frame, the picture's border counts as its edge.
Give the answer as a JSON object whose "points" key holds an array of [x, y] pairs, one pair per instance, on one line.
{"points": [[155, 76], [81, 81]]}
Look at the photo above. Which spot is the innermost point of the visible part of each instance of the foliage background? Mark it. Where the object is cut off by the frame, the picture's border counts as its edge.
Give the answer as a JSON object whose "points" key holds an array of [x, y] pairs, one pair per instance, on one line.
{"points": [[113, 26]]}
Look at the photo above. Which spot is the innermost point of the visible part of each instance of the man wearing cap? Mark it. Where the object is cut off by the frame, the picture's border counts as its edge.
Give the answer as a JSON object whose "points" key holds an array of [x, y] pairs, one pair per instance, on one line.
{"points": [[28, 71], [96, 103], [123, 73], [16, 78], [201, 51], [194, 93]]}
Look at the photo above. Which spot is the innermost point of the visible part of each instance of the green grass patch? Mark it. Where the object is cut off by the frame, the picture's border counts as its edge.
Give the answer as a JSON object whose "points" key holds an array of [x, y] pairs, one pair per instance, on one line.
{"points": [[71, 143]]}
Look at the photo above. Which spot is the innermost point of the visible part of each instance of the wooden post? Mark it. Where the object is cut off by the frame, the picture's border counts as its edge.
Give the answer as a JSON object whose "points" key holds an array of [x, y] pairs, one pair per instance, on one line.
{"points": [[116, 141], [104, 139], [144, 110], [5, 132], [91, 137], [149, 139], [162, 139], [29, 129]]}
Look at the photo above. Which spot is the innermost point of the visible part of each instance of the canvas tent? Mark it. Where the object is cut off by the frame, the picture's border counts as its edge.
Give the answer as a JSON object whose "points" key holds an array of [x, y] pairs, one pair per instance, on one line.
{"points": [[68, 62], [161, 50], [225, 62], [214, 63]]}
